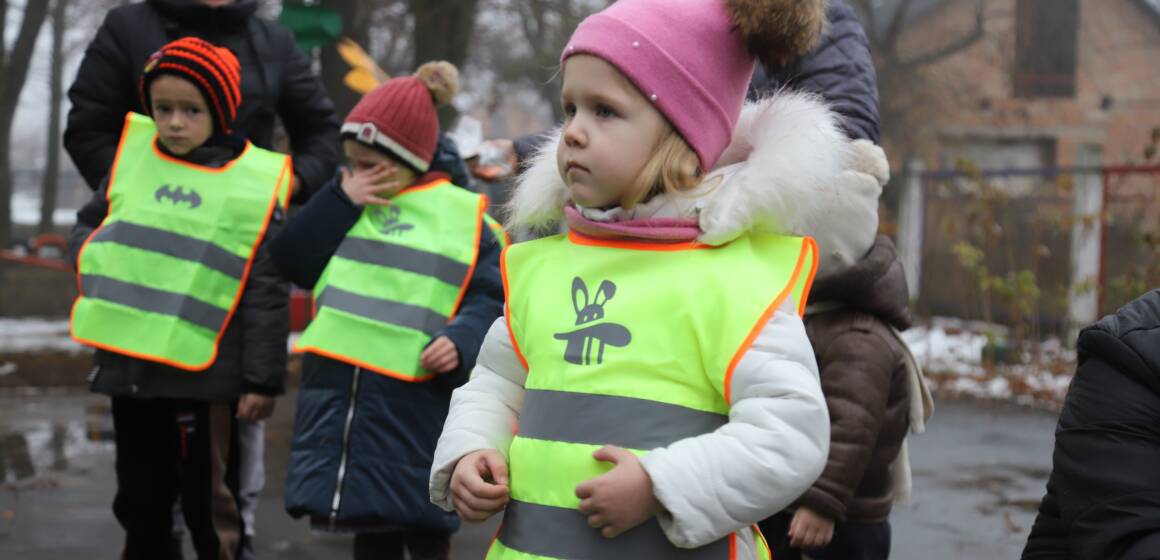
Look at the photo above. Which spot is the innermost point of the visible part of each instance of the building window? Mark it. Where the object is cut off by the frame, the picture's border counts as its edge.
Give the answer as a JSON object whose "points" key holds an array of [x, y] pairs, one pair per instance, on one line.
{"points": [[1046, 34]]}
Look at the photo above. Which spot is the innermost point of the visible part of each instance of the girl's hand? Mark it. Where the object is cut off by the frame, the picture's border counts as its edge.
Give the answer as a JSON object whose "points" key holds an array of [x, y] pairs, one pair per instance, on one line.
{"points": [[440, 356], [370, 186], [253, 407], [621, 498], [810, 529], [479, 485]]}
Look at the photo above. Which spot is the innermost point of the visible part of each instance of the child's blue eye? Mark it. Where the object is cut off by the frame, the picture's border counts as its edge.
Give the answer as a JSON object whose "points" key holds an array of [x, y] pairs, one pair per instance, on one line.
{"points": [[569, 110], [604, 111]]}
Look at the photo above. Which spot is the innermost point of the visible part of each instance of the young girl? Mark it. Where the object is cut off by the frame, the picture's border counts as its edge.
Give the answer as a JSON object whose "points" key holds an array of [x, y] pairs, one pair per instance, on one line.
{"points": [[406, 279], [648, 392]]}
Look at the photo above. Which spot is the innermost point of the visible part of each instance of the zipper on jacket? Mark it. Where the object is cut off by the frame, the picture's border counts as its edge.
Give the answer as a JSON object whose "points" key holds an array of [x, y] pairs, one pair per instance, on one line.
{"points": [[345, 450]]}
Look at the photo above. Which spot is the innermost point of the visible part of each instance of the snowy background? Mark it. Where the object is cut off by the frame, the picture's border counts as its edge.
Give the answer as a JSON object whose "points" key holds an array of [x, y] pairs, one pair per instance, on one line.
{"points": [[949, 351]]}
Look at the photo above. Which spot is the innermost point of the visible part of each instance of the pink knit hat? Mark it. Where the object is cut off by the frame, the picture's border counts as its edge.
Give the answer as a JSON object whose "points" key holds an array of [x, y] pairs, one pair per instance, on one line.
{"points": [[692, 58]]}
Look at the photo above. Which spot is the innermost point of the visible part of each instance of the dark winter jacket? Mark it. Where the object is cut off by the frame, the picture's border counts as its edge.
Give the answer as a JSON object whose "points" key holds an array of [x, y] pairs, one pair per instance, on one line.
{"points": [[864, 378], [276, 82], [448, 160], [839, 68], [252, 352], [1103, 496], [394, 425]]}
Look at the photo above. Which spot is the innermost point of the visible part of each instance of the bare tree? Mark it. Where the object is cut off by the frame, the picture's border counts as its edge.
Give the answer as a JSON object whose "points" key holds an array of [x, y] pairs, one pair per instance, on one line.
{"points": [[443, 31], [531, 58], [51, 184], [14, 69], [356, 24], [900, 76], [401, 35]]}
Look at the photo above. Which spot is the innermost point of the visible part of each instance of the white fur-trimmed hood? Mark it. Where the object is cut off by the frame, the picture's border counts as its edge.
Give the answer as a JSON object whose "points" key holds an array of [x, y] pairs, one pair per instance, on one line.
{"points": [[790, 169]]}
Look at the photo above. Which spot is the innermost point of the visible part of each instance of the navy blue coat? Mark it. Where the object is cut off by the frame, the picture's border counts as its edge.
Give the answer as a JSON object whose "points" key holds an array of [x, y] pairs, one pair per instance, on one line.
{"points": [[393, 425], [839, 68]]}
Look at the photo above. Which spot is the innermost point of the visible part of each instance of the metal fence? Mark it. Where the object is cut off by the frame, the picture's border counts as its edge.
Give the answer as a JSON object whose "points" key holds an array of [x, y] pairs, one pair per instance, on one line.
{"points": [[1040, 250]]}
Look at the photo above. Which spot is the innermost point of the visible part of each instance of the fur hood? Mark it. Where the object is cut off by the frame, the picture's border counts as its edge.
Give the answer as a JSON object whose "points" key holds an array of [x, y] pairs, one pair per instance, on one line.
{"points": [[787, 170]]}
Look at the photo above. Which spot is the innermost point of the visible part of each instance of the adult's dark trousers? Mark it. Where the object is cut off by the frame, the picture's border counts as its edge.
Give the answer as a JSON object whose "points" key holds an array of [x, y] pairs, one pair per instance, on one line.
{"points": [[852, 541], [168, 448], [421, 544]]}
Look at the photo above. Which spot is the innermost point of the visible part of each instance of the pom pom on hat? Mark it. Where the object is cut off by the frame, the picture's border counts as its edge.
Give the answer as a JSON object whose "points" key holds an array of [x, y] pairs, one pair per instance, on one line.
{"points": [[778, 31], [442, 80]]}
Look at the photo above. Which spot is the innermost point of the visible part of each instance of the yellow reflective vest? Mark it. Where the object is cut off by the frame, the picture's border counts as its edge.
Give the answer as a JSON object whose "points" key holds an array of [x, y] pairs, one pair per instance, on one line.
{"points": [[634, 345]]}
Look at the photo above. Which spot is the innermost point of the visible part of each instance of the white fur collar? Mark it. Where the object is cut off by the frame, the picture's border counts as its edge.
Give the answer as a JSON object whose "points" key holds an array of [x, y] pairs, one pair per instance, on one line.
{"points": [[783, 147]]}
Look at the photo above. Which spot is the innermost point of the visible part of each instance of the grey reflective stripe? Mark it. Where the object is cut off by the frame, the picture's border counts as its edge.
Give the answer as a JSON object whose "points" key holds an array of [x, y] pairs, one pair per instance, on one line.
{"points": [[446, 270], [383, 311], [602, 419], [564, 533], [157, 301], [174, 245]]}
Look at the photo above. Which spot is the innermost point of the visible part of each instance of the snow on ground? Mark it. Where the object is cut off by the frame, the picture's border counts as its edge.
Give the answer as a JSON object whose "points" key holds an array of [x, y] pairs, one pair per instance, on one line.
{"points": [[949, 351], [27, 335], [26, 211]]}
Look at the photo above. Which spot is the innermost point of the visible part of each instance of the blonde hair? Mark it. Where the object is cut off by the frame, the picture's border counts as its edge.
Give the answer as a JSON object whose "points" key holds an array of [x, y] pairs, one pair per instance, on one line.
{"points": [[673, 167]]}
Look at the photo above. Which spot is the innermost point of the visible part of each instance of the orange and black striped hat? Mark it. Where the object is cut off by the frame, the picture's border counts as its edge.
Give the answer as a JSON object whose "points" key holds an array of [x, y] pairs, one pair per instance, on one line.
{"points": [[213, 69]]}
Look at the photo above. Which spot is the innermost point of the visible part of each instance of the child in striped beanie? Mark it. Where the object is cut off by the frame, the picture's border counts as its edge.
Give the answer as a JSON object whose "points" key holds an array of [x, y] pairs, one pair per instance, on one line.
{"points": [[191, 89]]}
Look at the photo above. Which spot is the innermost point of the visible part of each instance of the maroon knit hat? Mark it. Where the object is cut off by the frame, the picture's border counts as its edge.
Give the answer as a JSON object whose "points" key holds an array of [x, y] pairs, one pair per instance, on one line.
{"points": [[214, 70], [399, 116]]}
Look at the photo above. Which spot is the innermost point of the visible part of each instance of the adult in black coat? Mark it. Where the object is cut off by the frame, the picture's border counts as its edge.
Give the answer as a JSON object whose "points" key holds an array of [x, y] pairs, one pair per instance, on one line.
{"points": [[1103, 496], [277, 81]]}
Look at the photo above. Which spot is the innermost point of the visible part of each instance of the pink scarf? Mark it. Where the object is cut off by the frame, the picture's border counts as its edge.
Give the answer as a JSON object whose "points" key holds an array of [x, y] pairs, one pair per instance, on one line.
{"points": [[658, 230]]}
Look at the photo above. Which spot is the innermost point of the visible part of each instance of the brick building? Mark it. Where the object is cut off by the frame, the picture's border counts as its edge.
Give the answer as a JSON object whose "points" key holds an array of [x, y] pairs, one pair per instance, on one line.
{"points": [[1045, 84], [1048, 81]]}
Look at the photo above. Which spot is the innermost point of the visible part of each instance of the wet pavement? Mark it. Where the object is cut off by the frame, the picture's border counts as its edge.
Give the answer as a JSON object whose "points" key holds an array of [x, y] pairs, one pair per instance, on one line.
{"points": [[979, 472]]}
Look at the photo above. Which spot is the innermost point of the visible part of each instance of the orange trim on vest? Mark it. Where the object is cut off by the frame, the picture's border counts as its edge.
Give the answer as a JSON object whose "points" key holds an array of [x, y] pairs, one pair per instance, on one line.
{"points": [[202, 168], [507, 239], [479, 225], [507, 298], [483, 202], [241, 283], [757, 534], [810, 279], [733, 545], [376, 369], [423, 187], [581, 239], [808, 248], [289, 186]]}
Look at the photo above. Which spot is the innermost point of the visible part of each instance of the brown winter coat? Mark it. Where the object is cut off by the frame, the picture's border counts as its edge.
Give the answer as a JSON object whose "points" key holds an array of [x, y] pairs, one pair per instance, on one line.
{"points": [[864, 378]]}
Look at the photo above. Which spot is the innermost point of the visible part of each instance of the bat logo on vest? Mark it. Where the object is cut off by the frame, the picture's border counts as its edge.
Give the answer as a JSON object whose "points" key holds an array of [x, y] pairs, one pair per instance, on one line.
{"points": [[177, 196], [387, 220], [582, 342]]}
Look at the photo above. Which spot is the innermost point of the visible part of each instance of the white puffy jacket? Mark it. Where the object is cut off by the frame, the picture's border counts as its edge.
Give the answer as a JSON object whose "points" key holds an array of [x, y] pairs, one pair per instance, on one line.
{"points": [[777, 438]]}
